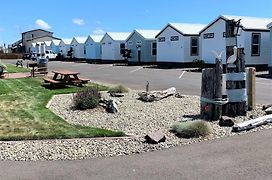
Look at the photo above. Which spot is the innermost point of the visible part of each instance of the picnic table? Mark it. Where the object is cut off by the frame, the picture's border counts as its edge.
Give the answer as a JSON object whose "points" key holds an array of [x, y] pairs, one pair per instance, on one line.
{"points": [[66, 77]]}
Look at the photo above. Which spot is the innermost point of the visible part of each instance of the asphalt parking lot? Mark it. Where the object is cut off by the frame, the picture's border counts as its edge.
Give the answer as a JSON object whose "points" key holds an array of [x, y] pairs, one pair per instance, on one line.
{"points": [[135, 77]]}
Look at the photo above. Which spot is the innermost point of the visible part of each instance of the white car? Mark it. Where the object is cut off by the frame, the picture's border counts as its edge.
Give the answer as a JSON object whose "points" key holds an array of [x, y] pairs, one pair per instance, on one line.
{"points": [[49, 54]]}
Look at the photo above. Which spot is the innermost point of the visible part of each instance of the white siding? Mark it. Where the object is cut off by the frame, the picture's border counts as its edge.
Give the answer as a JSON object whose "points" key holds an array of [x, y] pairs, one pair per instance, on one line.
{"points": [[264, 48], [93, 49], [111, 49], [217, 44], [170, 51], [64, 49], [270, 51]]}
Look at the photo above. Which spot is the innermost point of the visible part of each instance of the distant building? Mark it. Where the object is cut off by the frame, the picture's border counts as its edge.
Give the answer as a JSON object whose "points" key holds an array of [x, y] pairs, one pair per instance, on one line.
{"points": [[113, 43], [64, 46], [93, 47], [78, 45], [143, 46], [33, 36]]}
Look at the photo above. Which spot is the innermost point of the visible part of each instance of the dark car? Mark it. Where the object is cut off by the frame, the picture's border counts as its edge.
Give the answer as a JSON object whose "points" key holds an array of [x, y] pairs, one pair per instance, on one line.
{"points": [[26, 56]]}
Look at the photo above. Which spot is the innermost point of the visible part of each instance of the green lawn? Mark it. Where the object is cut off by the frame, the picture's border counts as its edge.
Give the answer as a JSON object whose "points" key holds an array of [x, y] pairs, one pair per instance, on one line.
{"points": [[13, 69], [24, 115]]}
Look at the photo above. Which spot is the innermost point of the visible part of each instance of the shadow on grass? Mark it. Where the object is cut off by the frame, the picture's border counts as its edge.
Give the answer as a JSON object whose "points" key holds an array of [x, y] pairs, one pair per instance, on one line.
{"points": [[50, 87]]}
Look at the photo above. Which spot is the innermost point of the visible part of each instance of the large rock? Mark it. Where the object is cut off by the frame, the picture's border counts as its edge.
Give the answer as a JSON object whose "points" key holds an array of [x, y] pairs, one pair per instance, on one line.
{"points": [[226, 122], [268, 110], [112, 106], [155, 137]]}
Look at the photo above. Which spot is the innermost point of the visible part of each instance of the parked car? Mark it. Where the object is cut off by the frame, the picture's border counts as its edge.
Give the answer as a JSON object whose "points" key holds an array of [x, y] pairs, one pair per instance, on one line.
{"points": [[49, 54]]}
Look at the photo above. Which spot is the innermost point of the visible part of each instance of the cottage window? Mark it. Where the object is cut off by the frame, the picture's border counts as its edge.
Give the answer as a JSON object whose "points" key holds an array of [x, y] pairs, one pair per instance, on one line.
{"points": [[208, 35], [194, 46], [255, 44], [122, 48], [139, 42], [174, 38], [161, 39], [153, 48], [130, 43], [84, 50], [109, 42], [103, 43]]}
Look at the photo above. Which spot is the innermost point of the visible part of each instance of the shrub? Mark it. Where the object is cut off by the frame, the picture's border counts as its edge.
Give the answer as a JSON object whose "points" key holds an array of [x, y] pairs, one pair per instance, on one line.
{"points": [[191, 129], [197, 63], [118, 89], [86, 99]]}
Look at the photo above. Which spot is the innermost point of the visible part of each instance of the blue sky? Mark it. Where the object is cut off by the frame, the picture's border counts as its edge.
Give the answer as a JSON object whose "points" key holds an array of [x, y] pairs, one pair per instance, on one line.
{"points": [[83, 17]]}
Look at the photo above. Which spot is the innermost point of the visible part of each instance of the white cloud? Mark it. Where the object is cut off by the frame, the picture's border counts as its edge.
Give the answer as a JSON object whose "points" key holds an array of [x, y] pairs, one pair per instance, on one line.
{"points": [[78, 21], [42, 24], [98, 30]]}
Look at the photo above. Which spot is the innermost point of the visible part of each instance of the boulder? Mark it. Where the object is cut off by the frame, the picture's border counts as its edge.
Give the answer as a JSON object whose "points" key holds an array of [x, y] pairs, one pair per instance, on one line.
{"points": [[226, 122], [112, 106], [268, 110], [155, 137]]}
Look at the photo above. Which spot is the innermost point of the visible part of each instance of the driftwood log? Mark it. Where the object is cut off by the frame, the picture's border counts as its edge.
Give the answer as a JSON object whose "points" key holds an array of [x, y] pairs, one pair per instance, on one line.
{"points": [[250, 124], [156, 95]]}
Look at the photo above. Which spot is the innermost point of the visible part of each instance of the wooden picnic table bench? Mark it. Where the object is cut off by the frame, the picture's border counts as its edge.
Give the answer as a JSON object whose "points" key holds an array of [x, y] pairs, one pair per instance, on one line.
{"points": [[66, 77]]}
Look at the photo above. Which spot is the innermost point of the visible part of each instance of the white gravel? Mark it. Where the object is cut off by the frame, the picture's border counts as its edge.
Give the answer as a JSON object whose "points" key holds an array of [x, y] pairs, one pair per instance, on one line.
{"points": [[135, 118]]}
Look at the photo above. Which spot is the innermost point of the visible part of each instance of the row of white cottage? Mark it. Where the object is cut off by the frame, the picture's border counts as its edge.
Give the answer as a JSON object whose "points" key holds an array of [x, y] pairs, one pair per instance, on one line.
{"points": [[178, 43]]}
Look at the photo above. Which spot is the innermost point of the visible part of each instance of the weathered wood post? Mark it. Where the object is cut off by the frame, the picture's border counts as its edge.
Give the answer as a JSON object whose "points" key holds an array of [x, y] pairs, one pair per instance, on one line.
{"points": [[236, 87], [211, 92], [207, 88], [218, 81], [251, 86]]}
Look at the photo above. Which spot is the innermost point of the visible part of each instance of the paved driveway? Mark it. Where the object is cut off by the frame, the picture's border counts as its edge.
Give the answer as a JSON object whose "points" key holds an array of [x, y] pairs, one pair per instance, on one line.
{"points": [[136, 76]]}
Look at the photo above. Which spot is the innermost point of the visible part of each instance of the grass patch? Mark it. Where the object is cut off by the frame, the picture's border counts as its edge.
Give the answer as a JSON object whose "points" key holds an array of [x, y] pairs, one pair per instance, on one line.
{"points": [[24, 115], [118, 89], [190, 129], [13, 69]]}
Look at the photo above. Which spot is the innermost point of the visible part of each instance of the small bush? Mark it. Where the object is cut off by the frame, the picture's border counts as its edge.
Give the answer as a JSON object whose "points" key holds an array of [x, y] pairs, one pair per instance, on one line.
{"points": [[118, 89], [86, 99], [191, 129], [197, 63]]}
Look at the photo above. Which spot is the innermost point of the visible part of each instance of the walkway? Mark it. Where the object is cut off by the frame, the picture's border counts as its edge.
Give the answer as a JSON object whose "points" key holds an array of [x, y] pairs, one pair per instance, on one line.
{"points": [[238, 157]]}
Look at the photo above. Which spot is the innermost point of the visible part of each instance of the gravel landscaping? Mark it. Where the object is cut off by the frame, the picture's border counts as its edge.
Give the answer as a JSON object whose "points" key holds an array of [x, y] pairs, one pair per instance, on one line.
{"points": [[135, 118]]}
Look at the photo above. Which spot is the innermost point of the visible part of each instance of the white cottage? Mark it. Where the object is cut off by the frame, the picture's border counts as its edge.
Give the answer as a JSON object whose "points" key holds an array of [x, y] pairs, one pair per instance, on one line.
{"points": [[78, 45], [254, 38], [178, 44], [55, 46], [64, 46], [93, 47], [143, 46], [269, 26], [113, 43]]}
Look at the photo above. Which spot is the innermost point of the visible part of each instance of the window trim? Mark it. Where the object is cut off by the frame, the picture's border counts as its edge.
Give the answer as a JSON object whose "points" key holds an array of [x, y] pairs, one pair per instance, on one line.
{"points": [[259, 44], [130, 43], [174, 38], [161, 39], [153, 48], [122, 49], [197, 46]]}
